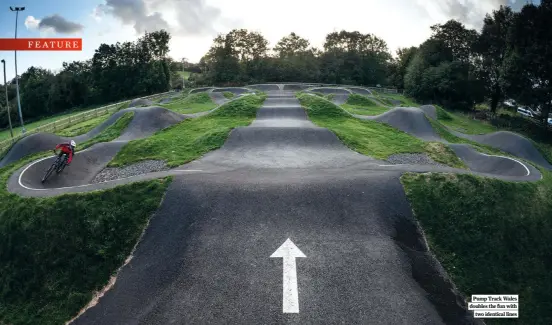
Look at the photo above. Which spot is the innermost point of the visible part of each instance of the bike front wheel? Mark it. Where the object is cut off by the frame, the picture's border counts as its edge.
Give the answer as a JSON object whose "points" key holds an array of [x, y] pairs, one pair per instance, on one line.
{"points": [[51, 169], [61, 165], [48, 172]]}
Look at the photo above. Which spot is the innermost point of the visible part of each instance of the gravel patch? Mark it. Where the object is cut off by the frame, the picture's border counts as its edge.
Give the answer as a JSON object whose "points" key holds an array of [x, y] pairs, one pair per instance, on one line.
{"points": [[143, 167], [413, 159]]}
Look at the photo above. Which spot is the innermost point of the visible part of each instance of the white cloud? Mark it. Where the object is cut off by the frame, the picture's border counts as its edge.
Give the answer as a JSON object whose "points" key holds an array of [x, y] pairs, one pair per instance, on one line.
{"points": [[31, 22]]}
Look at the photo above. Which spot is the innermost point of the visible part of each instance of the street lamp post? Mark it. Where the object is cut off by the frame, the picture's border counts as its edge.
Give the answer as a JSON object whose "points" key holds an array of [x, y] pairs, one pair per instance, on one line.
{"points": [[17, 10], [7, 102]]}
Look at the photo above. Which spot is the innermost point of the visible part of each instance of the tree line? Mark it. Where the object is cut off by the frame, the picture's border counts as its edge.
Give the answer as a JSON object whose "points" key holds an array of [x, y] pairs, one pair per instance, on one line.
{"points": [[457, 67], [115, 72]]}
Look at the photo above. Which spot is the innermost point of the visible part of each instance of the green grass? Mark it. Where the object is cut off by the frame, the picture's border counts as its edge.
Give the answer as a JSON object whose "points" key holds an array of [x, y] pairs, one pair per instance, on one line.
{"points": [[193, 103], [228, 94], [364, 110], [191, 138], [545, 149], [405, 101], [372, 138], [463, 123], [56, 252], [83, 127], [184, 74], [5, 134], [491, 236], [110, 133], [361, 105]]}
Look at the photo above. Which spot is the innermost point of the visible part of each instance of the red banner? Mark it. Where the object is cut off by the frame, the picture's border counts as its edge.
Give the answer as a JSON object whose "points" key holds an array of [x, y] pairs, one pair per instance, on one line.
{"points": [[41, 44]]}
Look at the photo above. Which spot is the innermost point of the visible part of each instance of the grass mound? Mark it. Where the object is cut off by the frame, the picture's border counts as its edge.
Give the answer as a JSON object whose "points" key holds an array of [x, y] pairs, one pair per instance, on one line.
{"points": [[192, 138], [361, 105], [372, 138], [463, 123], [193, 103], [491, 236], [82, 127], [55, 252], [110, 133], [228, 94], [359, 100]]}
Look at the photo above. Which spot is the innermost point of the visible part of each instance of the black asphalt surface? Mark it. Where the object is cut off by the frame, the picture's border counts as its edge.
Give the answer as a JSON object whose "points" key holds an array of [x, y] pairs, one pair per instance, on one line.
{"points": [[205, 257], [360, 91], [483, 163], [147, 121], [234, 90], [140, 102], [408, 119], [200, 90], [266, 87], [295, 87], [331, 90]]}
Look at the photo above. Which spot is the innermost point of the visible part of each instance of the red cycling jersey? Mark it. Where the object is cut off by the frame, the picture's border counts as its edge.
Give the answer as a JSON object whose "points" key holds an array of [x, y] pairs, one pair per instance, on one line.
{"points": [[66, 148]]}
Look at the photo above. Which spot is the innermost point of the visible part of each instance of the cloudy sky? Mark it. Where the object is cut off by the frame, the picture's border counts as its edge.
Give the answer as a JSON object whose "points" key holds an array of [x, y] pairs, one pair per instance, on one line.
{"points": [[194, 23]]}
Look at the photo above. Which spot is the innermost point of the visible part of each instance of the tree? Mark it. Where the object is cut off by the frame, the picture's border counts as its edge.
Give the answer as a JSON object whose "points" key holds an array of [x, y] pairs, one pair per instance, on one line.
{"points": [[457, 37], [527, 69], [356, 58], [291, 45], [404, 57], [493, 45]]}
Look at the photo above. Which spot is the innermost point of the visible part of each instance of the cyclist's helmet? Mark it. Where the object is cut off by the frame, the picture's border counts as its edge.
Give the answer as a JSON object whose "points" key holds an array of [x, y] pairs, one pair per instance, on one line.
{"points": [[73, 144]]}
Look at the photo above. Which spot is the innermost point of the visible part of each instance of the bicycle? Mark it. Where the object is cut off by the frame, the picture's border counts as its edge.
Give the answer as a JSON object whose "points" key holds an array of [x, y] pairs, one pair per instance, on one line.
{"points": [[58, 165]]}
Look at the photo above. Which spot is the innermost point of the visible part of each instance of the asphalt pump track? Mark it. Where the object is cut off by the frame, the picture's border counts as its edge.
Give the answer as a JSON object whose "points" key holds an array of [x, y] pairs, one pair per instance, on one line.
{"points": [[206, 256]]}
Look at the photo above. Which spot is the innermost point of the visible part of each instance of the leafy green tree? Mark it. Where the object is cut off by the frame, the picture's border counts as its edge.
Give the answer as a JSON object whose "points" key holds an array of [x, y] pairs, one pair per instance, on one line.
{"points": [[493, 46], [400, 64], [527, 69], [458, 38]]}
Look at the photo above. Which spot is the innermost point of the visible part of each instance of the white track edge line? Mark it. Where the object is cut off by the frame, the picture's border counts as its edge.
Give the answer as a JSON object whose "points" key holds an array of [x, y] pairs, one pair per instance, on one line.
{"points": [[113, 180]]}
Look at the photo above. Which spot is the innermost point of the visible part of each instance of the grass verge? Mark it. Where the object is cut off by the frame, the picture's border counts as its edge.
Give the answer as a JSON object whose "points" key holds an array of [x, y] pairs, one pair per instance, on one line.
{"points": [[358, 104], [463, 123], [193, 103], [491, 236], [387, 98], [82, 127], [372, 138], [56, 252], [191, 138]]}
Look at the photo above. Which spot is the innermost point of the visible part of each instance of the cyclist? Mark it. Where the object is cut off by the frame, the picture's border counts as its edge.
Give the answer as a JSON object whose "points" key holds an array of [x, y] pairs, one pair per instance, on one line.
{"points": [[68, 149]]}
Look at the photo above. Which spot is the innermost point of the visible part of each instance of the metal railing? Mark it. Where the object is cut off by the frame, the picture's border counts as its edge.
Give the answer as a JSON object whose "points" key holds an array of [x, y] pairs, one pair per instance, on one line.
{"points": [[63, 123]]}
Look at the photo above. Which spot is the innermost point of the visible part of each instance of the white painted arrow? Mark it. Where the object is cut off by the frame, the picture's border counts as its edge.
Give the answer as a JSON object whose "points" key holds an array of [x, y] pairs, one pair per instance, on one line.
{"points": [[289, 252]]}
